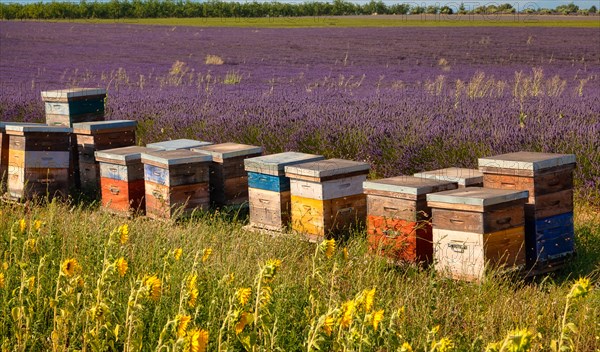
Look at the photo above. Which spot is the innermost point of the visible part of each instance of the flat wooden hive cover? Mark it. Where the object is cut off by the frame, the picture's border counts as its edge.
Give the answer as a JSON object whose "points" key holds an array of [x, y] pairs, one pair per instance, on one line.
{"points": [[71, 93], [174, 157], [408, 185], [326, 168], [476, 196], [464, 177], [178, 144], [229, 150], [121, 155], [36, 128], [275, 164], [94, 126], [3, 124], [531, 161]]}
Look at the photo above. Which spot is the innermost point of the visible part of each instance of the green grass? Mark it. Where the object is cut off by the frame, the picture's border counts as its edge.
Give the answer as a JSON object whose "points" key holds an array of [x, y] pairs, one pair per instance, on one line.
{"points": [[96, 308], [519, 20]]}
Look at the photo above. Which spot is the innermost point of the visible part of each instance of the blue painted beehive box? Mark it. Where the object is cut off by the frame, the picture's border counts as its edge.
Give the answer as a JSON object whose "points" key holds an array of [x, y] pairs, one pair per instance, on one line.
{"points": [[550, 239], [67, 106]]}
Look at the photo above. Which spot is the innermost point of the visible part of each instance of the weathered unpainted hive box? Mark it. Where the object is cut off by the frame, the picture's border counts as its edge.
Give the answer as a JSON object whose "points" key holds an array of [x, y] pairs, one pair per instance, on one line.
{"points": [[549, 231], [398, 224], [122, 179], [176, 182], [463, 177], [68, 106], [99, 135], [228, 178], [4, 147], [38, 161], [327, 196], [475, 228], [177, 144], [269, 189]]}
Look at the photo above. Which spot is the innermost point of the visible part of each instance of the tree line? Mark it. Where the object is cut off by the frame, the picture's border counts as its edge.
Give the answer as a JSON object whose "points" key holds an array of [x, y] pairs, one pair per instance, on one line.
{"points": [[116, 9]]}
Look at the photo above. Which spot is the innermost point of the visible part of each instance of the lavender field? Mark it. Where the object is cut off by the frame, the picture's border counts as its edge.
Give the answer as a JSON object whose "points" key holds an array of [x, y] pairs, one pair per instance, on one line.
{"points": [[404, 99]]}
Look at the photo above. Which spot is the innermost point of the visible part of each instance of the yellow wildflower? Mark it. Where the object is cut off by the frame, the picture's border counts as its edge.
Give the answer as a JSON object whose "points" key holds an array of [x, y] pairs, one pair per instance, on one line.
{"points": [[153, 285], [80, 282], [243, 295], [443, 345], [328, 325], [328, 246], [5, 266], [346, 254], [177, 253], [369, 297], [245, 319], [123, 233], [69, 267], [192, 288], [22, 225], [270, 270], [182, 324], [37, 225], [1, 280], [406, 347], [198, 340], [377, 318], [31, 244], [31, 283], [580, 288], [206, 254], [347, 313], [121, 266]]}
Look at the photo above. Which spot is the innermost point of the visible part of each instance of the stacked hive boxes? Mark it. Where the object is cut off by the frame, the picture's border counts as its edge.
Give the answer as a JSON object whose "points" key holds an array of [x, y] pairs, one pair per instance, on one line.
{"points": [[398, 223], [177, 144], [475, 227], [68, 106], [549, 211], [269, 188], [122, 179], [99, 135], [4, 147], [176, 182], [327, 196], [228, 178], [463, 177], [38, 161]]}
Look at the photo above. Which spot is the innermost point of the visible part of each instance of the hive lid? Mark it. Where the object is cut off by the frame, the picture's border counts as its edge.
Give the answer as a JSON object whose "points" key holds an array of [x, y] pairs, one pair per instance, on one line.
{"points": [[37, 128], [275, 164], [409, 185], [464, 177], [327, 168], [95, 126], [71, 93], [526, 161], [229, 150], [475, 196], [122, 155], [167, 158], [3, 124], [177, 144]]}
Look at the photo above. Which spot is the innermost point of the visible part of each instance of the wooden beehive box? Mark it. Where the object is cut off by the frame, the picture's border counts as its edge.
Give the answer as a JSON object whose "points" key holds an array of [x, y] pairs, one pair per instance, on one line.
{"points": [[398, 223], [228, 178], [549, 179], [463, 177], [4, 147], [38, 161], [327, 196], [68, 106], [269, 189], [476, 228], [177, 144], [122, 179], [176, 181], [99, 135]]}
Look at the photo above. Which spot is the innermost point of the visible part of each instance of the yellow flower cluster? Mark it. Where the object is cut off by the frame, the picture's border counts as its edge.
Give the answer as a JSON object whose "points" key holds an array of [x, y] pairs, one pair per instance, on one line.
{"points": [[182, 324], [123, 232], [197, 340], [121, 266], [2, 281], [177, 253], [69, 267], [206, 254], [328, 246], [192, 289], [243, 295], [154, 287]]}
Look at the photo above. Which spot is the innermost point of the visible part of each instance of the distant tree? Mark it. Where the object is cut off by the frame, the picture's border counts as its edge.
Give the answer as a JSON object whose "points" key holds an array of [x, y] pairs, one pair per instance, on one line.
{"points": [[461, 9], [567, 9], [416, 10], [432, 10], [593, 9], [446, 10]]}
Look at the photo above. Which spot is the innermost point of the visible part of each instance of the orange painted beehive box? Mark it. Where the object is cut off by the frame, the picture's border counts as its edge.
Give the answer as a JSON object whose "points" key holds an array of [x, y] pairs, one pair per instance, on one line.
{"points": [[398, 219], [176, 182], [4, 147], [122, 179]]}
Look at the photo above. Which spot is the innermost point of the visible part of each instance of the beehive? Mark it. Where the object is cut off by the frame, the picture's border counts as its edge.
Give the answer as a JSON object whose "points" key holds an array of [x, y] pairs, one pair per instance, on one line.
{"points": [[176, 182], [4, 147], [463, 177], [177, 144], [122, 179], [550, 237], [398, 223], [68, 106], [228, 178], [476, 228], [269, 188], [99, 135], [38, 161], [327, 196]]}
